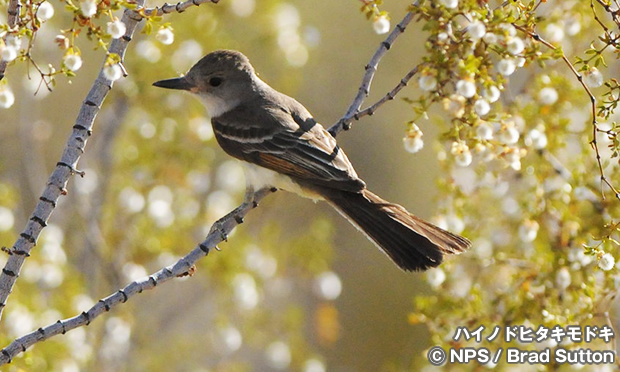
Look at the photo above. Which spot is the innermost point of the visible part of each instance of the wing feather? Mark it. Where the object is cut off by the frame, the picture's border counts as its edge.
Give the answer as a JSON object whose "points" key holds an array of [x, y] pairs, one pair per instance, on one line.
{"points": [[285, 140]]}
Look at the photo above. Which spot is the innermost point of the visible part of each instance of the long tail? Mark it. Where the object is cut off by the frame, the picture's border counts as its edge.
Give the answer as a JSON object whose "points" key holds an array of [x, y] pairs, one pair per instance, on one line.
{"points": [[412, 243]]}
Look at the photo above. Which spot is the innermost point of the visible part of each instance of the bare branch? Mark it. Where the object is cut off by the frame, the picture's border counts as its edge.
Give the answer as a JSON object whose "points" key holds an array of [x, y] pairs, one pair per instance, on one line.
{"points": [[371, 68], [66, 167], [369, 111], [613, 13], [13, 11], [182, 267], [179, 7]]}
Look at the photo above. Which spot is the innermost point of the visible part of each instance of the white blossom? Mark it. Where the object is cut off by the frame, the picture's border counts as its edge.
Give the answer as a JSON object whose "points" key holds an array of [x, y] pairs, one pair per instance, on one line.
{"points": [[491, 94], [548, 96], [508, 134], [482, 107], [6, 97], [466, 88], [528, 231], [506, 66], [515, 45], [572, 26], [165, 36], [45, 11], [578, 257], [113, 72], [8, 53], [435, 277], [554, 33], [450, 4], [455, 223], [13, 41], [537, 139], [562, 278], [72, 61], [512, 156], [88, 8], [116, 29], [461, 153], [461, 287], [509, 29], [594, 78], [427, 82], [476, 30], [607, 262], [490, 38], [484, 130], [381, 25], [455, 105], [484, 151], [413, 139]]}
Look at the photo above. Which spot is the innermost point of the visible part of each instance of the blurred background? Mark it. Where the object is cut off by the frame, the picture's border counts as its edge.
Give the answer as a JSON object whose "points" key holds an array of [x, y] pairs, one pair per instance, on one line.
{"points": [[296, 287]]}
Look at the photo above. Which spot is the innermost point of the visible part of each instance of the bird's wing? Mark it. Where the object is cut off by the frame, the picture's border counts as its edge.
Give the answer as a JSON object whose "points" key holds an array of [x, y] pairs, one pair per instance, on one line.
{"points": [[287, 140]]}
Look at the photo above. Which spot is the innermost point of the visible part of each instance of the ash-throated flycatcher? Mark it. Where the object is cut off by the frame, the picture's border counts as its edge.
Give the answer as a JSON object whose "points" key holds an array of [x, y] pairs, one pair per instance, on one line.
{"points": [[284, 147]]}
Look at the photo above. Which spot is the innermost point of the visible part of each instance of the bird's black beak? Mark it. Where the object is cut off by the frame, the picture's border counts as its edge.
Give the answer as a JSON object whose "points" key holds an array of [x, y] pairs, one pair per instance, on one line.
{"points": [[180, 83]]}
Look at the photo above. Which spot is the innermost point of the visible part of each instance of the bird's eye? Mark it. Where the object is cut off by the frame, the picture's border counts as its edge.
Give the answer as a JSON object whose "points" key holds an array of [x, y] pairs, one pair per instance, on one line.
{"points": [[215, 81]]}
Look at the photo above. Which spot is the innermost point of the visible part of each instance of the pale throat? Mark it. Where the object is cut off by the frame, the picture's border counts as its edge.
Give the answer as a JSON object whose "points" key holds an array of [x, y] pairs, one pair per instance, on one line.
{"points": [[217, 106]]}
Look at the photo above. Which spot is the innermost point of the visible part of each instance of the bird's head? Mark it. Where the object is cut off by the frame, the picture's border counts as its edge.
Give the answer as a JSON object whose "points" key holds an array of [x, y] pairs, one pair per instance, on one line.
{"points": [[222, 79]]}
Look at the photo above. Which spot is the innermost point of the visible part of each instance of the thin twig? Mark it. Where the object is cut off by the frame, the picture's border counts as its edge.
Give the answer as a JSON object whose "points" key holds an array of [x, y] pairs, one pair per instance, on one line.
{"points": [[371, 68], [613, 13], [595, 128], [369, 111], [13, 11], [179, 7], [66, 167], [596, 18], [182, 267]]}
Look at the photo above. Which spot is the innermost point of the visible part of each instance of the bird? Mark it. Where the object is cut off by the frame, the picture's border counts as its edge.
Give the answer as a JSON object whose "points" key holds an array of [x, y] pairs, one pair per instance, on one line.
{"points": [[282, 146]]}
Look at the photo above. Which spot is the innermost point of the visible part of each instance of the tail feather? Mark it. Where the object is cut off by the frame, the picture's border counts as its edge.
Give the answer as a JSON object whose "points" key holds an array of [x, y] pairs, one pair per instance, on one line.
{"points": [[412, 243]]}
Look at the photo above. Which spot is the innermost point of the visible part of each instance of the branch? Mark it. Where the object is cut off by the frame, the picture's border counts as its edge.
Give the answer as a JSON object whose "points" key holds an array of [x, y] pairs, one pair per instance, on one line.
{"points": [[185, 266], [13, 11], [369, 111], [66, 167], [179, 7], [74, 148], [613, 13], [595, 127], [371, 68]]}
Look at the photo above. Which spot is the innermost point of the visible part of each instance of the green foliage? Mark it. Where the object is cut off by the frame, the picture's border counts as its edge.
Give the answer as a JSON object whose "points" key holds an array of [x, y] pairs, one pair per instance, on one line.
{"points": [[523, 179], [529, 172]]}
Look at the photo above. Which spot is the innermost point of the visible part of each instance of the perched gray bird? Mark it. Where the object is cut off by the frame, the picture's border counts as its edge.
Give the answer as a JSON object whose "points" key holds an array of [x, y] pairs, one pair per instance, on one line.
{"points": [[284, 147]]}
